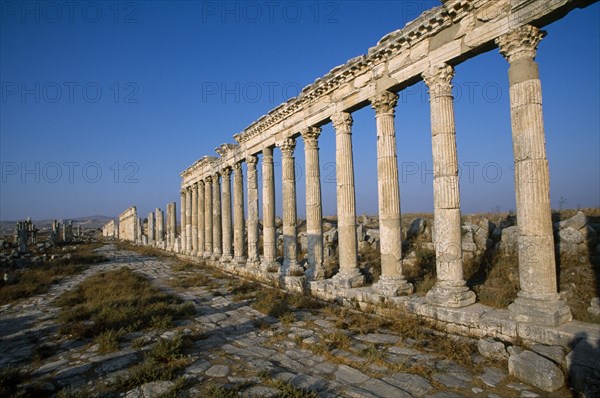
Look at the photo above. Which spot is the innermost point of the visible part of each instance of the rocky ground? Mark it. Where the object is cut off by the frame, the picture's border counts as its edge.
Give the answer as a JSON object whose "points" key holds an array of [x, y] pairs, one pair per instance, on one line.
{"points": [[236, 350]]}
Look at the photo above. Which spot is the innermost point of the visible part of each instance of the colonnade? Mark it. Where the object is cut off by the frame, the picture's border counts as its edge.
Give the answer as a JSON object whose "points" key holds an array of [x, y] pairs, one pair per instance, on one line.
{"points": [[215, 227]]}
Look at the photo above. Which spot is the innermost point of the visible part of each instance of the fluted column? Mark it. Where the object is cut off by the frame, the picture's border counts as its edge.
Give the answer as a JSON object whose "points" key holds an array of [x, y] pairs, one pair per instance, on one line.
{"points": [[348, 275], [290, 243], [226, 193], [538, 300], [201, 218], [194, 245], [208, 218], [252, 224], [450, 289], [216, 227], [314, 210], [183, 220], [269, 238], [238, 215], [188, 220], [391, 282]]}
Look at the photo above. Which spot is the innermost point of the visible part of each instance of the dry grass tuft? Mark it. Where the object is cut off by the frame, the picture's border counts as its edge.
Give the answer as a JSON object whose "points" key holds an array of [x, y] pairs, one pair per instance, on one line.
{"points": [[117, 301]]}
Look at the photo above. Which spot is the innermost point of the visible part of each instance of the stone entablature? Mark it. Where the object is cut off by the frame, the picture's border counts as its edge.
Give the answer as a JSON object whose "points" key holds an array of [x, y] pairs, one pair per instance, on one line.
{"points": [[110, 230]]}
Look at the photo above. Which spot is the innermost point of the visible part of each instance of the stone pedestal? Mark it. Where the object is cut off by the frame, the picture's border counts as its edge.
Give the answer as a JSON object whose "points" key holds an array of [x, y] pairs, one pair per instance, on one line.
{"points": [[269, 238], [290, 244], [538, 300], [239, 255], [391, 282], [349, 275], [208, 218], [450, 289], [216, 227], [227, 235], [314, 212], [252, 223]]}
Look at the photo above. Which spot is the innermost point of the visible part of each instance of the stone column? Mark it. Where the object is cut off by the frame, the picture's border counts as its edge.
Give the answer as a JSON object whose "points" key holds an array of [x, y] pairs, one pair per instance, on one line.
{"points": [[226, 192], [538, 300], [151, 230], [183, 220], [201, 219], [217, 222], [194, 245], [348, 275], [252, 222], [160, 225], [238, 215], [450, 289], [208, 218], [290, 244], [171, 224], [188, 220], [391, 282], [268, 193], [314, 210]]}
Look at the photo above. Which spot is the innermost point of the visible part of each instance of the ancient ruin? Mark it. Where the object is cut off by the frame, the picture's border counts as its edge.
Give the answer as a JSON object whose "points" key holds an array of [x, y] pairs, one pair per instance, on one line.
{"points": [[214, 229]]}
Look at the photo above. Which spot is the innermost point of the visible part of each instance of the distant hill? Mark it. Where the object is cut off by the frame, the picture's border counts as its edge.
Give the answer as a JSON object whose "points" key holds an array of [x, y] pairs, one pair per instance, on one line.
{"points": [[89, 222]]}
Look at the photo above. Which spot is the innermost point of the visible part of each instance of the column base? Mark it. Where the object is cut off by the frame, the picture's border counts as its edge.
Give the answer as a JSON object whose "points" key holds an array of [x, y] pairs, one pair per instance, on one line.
{"points": [[315, 272], [271, 266], [444, 295], [239, 261], [253, 263], [547, 311], [207, 255], [348, 279], [226, 258], [392, 285], [292, 268]]}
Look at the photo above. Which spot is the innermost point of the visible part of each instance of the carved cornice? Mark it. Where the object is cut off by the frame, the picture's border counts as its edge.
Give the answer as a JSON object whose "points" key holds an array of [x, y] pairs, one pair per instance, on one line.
{"points": [[199, 165], [426, 25], [520, 43], [342, 122], [225, 149], [287, 146], [384, 102]]}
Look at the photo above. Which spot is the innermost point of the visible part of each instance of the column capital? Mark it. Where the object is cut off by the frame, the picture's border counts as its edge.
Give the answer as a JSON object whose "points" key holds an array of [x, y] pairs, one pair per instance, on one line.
{"points": [[520, 43], [342, 121], [252, 160], [287, 146], [188, 188], [195, 185], [208, 179], [384, 102], [182, 191], [200, 184], [439, 78], [237, 166], [226, 172], [310, 135]]}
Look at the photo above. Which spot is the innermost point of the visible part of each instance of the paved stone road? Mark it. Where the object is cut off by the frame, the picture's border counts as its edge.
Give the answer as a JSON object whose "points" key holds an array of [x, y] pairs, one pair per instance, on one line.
{"points": [[239, 345]]}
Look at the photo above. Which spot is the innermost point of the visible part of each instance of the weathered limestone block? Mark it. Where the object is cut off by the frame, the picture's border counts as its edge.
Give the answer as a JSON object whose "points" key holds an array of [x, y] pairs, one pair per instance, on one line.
{"points": [[536, 370], [492, 349], [571, 235], [577, 222]]}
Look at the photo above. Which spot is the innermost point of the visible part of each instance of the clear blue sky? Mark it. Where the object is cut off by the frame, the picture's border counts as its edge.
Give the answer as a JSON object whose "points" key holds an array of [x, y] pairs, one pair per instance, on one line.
{"points": [[103, 106]]}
